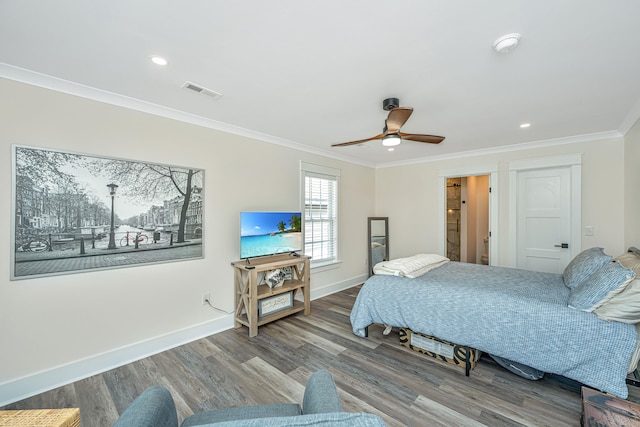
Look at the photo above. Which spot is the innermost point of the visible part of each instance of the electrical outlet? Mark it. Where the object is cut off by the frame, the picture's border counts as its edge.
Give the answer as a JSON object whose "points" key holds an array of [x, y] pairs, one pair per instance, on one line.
{"points": [[206, 298]]}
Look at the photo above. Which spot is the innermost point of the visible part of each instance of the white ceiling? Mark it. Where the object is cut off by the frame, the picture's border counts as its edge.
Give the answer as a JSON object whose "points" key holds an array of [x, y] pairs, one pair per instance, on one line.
{"points": [[314, 73]]}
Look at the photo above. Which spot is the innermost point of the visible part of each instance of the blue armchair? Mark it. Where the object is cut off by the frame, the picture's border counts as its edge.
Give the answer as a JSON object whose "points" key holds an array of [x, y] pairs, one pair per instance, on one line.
{"points": [[320, 407]]}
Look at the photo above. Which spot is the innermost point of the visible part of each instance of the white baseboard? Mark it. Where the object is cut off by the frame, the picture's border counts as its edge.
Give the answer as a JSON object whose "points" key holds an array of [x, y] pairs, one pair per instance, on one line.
{"points": [[337, 287], [40, 382]]}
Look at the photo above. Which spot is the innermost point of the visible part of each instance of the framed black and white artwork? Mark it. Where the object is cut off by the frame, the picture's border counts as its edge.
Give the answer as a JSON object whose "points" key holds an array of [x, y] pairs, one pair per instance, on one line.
{"points": [[78, 212]]}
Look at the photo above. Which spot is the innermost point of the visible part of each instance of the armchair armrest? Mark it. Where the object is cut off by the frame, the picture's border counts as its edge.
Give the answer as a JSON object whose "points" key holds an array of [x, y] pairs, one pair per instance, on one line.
{"points": [[321, 394], [153, 408]]}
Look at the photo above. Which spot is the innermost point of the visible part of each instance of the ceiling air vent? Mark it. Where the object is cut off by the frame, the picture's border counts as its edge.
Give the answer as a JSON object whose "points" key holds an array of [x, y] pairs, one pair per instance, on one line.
{"points": [[201, 90]]}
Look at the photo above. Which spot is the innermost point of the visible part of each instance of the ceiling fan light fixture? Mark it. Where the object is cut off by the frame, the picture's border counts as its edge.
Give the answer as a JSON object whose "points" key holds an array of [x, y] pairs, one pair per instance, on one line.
{"points": [[391, 140]]}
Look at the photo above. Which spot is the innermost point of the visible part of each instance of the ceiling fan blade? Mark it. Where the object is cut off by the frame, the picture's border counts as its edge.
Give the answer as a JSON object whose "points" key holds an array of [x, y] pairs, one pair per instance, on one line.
{"points": [[344, 144], [397, 117], [431, 139]]}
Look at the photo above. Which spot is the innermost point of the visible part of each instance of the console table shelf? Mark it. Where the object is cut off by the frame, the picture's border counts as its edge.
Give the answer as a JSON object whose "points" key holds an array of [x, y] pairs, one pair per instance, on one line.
{"points": [[249, 293]]}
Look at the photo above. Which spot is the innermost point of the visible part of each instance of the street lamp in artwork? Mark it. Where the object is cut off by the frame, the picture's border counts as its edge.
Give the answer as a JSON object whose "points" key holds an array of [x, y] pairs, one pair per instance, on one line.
{"points": [[112, 234]]}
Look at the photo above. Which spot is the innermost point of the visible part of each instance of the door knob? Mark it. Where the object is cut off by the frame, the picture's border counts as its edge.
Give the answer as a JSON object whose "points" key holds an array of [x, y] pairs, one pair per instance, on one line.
{"points": [[562, 245]]}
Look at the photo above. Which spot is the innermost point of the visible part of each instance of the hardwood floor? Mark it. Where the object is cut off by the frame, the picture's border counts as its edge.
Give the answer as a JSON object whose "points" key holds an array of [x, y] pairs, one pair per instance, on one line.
{"points": [[375, 375]]}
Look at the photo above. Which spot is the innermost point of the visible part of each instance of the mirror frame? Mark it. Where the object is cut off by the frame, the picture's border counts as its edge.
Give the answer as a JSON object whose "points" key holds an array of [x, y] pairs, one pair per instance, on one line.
{"points": [[370, 240]]}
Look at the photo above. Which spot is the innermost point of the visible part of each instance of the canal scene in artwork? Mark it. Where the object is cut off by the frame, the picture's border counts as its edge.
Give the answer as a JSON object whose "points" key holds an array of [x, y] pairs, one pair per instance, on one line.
{"points": [[76, 212]]}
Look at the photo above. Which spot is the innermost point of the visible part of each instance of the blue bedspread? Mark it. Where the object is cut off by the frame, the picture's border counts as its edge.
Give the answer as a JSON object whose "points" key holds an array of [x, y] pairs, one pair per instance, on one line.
{"points": [[516, 314]]}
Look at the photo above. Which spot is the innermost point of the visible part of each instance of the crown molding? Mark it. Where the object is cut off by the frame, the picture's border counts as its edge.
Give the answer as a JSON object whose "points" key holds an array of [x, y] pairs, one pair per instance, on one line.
{"points": [[631, 119], [76, 89], [72, 88], [510, 148]]}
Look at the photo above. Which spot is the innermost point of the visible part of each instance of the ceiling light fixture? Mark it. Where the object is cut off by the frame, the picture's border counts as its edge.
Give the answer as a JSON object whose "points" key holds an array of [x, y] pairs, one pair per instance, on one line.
{"points": [[506, 43], [158, 60], [391, 140], [525, 125]]}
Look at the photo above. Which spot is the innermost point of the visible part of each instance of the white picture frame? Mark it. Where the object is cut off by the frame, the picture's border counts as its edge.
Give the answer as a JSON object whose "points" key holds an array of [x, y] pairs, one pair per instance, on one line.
{"points": [[275, 303]]}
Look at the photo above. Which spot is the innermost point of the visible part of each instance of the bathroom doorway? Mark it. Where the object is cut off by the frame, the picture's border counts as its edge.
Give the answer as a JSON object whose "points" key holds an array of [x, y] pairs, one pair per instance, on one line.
{"points": [[467, 219]]}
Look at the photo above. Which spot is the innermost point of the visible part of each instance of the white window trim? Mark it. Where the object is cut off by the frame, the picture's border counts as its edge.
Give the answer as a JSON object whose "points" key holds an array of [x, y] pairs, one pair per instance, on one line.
{"points": [[313, 168]]}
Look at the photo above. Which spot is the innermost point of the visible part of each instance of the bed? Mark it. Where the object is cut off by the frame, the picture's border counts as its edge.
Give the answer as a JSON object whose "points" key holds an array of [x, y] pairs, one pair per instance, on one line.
{"points": [[519, 315]]}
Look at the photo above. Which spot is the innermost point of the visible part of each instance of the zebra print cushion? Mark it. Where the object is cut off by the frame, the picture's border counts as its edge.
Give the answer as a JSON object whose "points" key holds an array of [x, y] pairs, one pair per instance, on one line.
{"points": [[446, 351]]}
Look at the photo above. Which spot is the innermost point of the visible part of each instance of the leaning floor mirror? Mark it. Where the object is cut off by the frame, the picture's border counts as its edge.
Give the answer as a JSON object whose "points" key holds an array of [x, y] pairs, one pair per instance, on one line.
{"points": [[378, 235]]}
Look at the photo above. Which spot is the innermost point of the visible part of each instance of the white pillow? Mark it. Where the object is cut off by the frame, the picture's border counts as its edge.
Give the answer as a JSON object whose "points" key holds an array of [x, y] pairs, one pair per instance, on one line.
{"points": [[624, 307], [630, 260]]}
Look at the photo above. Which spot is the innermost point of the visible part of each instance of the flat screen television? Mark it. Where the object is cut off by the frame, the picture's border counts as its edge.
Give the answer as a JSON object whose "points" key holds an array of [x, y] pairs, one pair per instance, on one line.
{"points": [[270, 233]]}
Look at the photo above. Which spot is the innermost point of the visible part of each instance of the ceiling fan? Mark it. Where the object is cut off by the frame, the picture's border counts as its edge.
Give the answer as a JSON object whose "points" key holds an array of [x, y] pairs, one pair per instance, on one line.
{"points": [[391, 134]]}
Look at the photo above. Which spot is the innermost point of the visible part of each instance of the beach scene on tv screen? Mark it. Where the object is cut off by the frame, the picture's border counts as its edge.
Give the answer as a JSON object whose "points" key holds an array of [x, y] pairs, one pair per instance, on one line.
{"points": [[267, 233]]}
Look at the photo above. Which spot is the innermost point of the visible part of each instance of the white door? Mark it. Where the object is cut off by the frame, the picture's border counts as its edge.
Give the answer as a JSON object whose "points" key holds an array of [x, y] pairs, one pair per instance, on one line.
{"points": [[544, 219]]}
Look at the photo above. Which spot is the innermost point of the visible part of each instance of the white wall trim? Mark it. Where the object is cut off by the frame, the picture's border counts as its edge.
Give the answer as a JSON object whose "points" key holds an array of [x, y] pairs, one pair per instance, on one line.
{"points": [[494, 219], [442, 218], [60, 85], [40, 382], [576, 210], [631, 119], [512, 257], [337, 287], [546, 162], [474, 170], [492, 171], [48, 82], [510, 148], [573, 161]]}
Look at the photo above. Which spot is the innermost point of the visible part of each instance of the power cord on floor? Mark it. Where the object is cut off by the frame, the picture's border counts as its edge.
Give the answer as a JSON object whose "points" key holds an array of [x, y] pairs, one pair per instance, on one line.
{"points": [[216, 308]]}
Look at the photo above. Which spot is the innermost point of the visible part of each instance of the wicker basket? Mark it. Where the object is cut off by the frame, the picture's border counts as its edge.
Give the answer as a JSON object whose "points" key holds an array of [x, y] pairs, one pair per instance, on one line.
{"points": [[69, 417]]}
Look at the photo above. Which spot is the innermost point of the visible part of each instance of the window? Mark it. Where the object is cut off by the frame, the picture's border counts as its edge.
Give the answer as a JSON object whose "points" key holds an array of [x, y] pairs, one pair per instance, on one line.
{"points": [[320, 216]]}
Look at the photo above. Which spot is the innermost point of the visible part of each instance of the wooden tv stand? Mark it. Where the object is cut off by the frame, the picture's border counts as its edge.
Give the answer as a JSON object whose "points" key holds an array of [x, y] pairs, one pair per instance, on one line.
{"points": [[250, 295]]}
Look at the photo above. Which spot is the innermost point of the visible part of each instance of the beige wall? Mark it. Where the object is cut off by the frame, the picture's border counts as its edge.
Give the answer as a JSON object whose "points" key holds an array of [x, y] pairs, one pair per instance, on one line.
{"points": [[632, 186], [408, 195], [477, 216], [56, 329], [53, 328]]}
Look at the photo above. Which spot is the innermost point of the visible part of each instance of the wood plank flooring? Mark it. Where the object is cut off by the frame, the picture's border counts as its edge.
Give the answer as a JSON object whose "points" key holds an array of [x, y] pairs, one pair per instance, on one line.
{"points": [[375, 375]]}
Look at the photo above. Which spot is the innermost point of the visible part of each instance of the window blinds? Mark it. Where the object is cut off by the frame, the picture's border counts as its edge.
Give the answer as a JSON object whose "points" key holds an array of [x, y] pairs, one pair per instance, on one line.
{"points": [[320, 220]]}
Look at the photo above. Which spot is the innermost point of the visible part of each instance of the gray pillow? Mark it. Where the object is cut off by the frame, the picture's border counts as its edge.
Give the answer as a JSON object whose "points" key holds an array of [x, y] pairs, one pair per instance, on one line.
{"points": [[600, 287], [584, 265]]}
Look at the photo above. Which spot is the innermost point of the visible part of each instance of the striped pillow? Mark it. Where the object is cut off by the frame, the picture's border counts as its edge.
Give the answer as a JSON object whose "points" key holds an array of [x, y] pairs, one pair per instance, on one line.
{"points": [[584, 265], [600, 287]]}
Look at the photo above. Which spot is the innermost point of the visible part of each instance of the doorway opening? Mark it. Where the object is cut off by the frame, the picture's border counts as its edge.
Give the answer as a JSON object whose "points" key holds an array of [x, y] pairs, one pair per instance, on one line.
{"points": [[467, 219]]}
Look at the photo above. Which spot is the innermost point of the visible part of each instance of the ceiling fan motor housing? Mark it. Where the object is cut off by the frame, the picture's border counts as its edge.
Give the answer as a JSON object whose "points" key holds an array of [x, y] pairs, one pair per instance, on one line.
{"points": [[390, 103]]}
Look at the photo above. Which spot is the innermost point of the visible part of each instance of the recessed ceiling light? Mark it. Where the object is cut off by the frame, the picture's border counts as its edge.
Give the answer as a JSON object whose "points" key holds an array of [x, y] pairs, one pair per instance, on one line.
{"points": [[391, 149], [525, 125], [158, 60], [506, 43]]}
